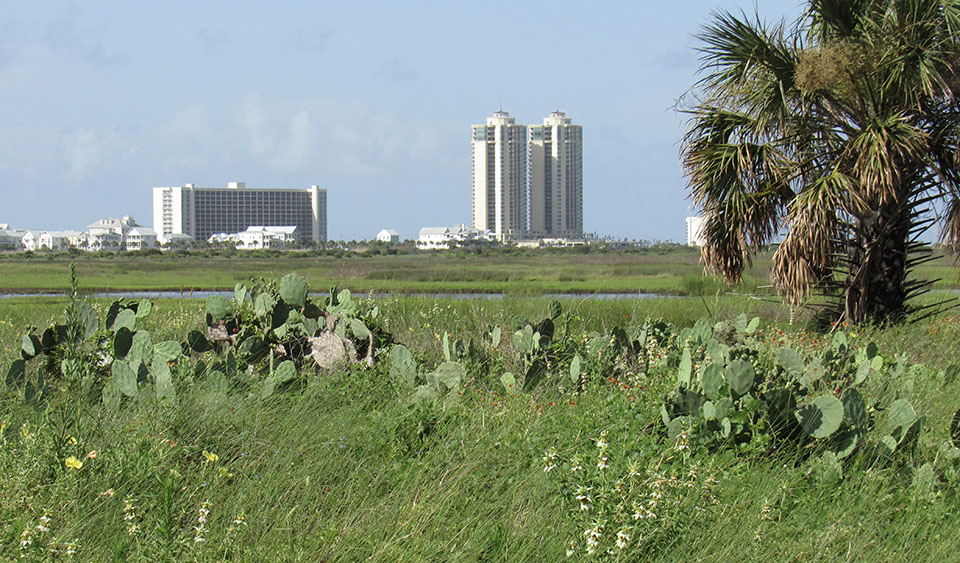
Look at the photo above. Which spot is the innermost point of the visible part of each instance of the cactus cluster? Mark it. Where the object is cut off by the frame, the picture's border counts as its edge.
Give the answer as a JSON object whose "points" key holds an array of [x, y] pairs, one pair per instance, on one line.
{"points": [[279, 326], [813, 402], [442, 386], [272, 328], [116, 357]]}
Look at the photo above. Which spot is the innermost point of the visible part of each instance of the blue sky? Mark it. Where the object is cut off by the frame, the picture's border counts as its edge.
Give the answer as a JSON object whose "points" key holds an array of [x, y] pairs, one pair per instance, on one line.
{"points": [[101, 101]]}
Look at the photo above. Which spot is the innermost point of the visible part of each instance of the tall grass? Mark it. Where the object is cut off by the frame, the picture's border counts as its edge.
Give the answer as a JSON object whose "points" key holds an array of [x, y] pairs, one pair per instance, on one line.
{"points": [[344, 471]]}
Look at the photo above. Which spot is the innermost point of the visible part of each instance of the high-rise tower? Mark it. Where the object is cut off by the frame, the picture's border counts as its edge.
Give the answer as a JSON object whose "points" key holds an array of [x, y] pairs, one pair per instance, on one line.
{"points": [[556, 178], [500, 177], [201, 212]]}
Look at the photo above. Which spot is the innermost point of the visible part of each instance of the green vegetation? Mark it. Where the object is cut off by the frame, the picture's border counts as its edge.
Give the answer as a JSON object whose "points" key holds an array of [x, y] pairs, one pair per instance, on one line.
{"points": [[677, 272], [513, 429], [441, 272], [838, 130]]}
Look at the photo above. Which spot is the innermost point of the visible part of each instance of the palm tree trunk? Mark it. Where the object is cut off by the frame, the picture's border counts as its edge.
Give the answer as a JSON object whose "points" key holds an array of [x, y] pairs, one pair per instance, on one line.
{"points": [[876, 288]]}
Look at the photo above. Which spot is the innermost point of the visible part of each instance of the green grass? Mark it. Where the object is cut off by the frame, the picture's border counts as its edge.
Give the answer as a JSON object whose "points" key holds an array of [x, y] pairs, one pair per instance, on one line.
{"points": [[344, 471], [675, 273], [525, 275]]}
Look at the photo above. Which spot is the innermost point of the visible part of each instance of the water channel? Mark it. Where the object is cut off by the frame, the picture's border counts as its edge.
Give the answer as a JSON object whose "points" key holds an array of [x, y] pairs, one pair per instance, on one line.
{"points": [[203, 294]]}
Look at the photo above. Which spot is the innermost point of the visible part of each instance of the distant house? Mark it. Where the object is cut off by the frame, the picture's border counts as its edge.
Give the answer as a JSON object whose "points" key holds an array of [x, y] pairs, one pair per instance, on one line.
{"points": [[389, 236], [30, 240], [109, 234], [442, 237], [434, 237], [175, 239], [257, 237], [140, 238], [58, 240], [10, 238]]}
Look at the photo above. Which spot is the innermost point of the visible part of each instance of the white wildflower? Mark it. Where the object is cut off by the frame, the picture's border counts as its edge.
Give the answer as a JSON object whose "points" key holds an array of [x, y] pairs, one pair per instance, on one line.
{"points": [[204, 512], [577, 464], [623, 538], [593, 535], [44, 525], [602, 442], [202, 519], [602, 461], [129, 509], [550, 460], [583, 495], [26, 539]]}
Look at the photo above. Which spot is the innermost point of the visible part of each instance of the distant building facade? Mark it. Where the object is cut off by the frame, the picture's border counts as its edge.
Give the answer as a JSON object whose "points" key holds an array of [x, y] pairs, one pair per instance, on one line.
{"points": [[500, 177], [695, 231], [140, 238], [10, 238], [203, 212], [257, 237], [59, 240], [109, 234], [389, 236], [432, 238], [556, 178]]}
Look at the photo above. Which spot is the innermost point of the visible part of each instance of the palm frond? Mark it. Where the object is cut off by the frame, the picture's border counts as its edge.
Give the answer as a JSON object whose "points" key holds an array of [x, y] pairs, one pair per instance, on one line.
{"points": [[881, 149]]}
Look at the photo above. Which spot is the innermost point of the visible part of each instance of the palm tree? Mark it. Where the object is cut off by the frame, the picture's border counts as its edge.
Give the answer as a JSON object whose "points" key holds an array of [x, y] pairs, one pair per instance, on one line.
{"points": [[840, 131]]}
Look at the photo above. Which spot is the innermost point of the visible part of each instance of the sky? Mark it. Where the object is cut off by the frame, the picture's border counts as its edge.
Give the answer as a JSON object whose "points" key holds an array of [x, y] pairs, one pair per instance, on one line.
{"points": [[101, 101]]}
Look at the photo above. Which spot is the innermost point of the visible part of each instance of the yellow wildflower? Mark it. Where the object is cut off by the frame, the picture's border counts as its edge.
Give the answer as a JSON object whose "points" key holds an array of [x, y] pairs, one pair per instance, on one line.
{"points": [[73, 463], [211, 458]]}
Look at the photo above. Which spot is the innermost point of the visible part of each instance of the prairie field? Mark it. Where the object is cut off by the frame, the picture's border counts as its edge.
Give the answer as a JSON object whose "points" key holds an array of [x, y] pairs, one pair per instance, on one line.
{"points": [[671, 272], [522, 428]]}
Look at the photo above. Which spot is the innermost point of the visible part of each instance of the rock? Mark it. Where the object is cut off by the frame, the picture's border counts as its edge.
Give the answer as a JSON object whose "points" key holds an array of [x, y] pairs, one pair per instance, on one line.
{"points": [[328, 349], [218, 333]]}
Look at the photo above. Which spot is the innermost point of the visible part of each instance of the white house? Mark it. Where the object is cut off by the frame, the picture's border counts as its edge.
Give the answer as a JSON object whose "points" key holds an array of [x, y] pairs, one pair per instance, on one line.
{"points": [[175, 238], [434, 237], [258, 237], [112, 225], [30, 240], [139, 238], [441, 237], [104, 241], [389, 236], [109, 234], [10, 238], [57, 240]]}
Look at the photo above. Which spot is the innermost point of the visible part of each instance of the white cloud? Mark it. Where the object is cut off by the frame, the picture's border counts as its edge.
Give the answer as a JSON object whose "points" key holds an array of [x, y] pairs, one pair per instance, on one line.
{"points": [[85, 151], [261, 136], [339, 139]]}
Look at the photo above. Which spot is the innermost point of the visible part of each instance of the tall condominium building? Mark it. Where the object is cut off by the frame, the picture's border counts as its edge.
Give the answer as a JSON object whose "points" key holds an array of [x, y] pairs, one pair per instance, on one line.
{"points": [[202, 212], [695, 235], [556, 178], [500, 177]]}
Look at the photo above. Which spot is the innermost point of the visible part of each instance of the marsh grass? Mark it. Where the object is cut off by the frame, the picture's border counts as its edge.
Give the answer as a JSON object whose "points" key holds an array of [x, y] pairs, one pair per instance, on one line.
{"points": [[528, 274], [343, 471]]}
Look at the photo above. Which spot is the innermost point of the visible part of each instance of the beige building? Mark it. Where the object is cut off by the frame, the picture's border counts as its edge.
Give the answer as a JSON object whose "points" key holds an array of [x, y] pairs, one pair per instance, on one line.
{"points": [[203, 212], [500, 177], [556, 178]]}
